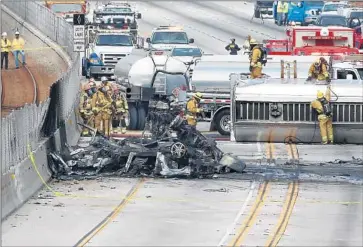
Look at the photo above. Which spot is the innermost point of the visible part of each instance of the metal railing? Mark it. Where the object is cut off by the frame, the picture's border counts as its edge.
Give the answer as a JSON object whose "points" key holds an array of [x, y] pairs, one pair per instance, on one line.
{"points": [[25, 126], [18, 130]]}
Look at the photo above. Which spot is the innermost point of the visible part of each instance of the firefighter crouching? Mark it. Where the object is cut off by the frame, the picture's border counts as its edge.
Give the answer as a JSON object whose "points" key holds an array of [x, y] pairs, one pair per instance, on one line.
{"points": [[102, 108], [255, 58], [319, 71], [121, 110], [85, 106], [193, 109], [322, 106]]}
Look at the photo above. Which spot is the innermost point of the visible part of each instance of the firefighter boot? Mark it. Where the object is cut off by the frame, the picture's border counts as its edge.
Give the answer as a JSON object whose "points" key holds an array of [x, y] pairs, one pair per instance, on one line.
{"points": [[123, 126]]}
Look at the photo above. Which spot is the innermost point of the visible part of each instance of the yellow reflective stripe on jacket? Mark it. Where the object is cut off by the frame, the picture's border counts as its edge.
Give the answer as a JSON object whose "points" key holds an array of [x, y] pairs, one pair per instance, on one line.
{"points": [[5, 46], [18, 44]]}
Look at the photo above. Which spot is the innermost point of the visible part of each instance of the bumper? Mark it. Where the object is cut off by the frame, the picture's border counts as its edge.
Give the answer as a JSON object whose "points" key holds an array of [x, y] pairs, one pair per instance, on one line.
{"points": [[310, 19], [102, 70], [278, 132]]}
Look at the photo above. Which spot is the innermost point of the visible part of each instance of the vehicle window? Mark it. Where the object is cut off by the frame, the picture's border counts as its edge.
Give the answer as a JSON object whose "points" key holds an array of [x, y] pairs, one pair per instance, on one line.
{"points": [[267, 4], [360, 72], [66, 8], [358, 15], [169, 38], [183, 52], [343, 74], [118, 10], [114, 40], [333, 21], [333, 7]]}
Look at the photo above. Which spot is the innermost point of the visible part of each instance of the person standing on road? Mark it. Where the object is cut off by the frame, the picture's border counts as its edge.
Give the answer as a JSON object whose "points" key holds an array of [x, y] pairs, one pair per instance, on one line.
{"points": [[285, 11], [5, 48], [256, 60], [18, 48], [121, 111], [102, 108], [193, 109], [325, 116], [233, 47], [280, 10], [85, 107]]}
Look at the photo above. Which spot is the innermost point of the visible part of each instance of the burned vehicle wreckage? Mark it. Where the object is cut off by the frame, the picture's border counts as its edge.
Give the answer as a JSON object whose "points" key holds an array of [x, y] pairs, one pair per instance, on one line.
{"points": [[174, 149]]}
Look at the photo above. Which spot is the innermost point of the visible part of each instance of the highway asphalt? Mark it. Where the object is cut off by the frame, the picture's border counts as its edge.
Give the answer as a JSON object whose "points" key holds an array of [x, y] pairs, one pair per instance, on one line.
{"points": [[289, 195]]}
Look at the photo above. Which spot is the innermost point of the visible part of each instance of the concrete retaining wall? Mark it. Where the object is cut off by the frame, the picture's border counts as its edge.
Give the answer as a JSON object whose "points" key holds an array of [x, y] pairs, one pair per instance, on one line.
{"points": [[22, 181]]}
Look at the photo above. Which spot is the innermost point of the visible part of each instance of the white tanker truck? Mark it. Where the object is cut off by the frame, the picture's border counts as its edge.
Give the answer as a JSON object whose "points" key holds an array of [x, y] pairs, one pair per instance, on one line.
{"points": [[278, 110], [211, 76], [145, 75]]}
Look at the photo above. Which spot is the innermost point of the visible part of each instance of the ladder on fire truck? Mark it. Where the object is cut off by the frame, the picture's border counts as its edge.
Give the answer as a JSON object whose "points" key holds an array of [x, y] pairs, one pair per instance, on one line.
{"points": [[288, 69]]}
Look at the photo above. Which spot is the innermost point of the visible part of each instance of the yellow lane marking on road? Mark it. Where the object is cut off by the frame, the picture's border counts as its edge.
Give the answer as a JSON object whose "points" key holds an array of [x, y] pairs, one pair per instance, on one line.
{"points": [[111, 216], [291, 197], [254, 212]]}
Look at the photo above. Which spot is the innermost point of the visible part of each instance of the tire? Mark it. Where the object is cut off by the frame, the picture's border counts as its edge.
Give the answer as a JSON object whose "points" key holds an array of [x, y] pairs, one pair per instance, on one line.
{"points": [[133, 117], [221, 121], [141, 111], [257, 13]]}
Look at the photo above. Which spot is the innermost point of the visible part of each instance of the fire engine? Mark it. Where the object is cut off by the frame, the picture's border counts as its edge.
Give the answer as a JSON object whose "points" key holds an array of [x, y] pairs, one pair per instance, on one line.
{"points": [[67, 8], [313, 40]]}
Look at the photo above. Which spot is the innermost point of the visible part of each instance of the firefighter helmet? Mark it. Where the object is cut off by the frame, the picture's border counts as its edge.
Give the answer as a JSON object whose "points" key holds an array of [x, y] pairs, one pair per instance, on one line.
{"points": [[320, 94], [198, 95], [253, 42]]}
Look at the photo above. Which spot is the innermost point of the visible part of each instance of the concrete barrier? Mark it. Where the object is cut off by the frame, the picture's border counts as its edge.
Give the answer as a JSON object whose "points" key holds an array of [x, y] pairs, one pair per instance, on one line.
{"points": [[23, 180]]}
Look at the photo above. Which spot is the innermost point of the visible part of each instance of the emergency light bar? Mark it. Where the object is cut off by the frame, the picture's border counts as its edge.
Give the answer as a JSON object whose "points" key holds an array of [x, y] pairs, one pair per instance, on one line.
{"points": [[353, 58], [113, 30], [324, 38], [169, 28]]}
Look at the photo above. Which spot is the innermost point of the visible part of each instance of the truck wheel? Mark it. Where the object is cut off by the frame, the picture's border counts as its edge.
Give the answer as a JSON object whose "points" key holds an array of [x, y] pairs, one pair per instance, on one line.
{"points": [[141, 117], [221, 122], [133, 117], [257, 13]]}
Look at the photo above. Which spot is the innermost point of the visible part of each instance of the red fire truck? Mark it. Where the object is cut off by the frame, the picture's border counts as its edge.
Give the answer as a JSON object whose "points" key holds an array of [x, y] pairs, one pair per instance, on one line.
{"points": [[314, 40]]}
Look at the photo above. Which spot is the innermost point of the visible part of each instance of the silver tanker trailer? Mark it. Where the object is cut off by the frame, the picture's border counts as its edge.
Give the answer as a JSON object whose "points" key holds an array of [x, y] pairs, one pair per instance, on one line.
{"points": [[137, 74]]}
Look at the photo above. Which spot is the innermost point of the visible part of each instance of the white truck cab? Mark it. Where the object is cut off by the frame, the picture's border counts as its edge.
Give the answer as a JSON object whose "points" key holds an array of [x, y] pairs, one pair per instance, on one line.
{"points": [[109, 46], [350, 67], [168, 37], [334, 6]]}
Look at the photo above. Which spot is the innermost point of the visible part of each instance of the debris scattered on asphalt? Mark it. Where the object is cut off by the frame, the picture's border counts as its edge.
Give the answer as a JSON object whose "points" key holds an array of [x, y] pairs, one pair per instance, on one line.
{"points": [[217, 190], [175, 149]]}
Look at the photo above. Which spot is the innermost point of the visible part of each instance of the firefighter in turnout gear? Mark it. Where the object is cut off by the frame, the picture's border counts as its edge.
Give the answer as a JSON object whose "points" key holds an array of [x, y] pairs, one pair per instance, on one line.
{"points": [[85, 107], [322, 106], [121, 110], [319, 70], [102, 108], [193, 109], [256, 60], [233, 47]]}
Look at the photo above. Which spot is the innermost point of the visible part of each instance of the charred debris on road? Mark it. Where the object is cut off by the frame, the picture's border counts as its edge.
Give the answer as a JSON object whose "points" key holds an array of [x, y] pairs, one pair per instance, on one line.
{"points": [[175, 149]]}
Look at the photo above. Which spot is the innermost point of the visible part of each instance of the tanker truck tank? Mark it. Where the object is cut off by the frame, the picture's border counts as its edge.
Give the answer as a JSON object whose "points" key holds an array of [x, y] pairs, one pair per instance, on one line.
{"points": [[265, 113], [124, 65], [145, 82]]}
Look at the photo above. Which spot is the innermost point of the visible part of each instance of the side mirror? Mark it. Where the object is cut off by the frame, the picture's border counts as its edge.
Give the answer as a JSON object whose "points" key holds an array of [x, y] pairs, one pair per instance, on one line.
{"points": [[148, 40], [138, 16], [349, 77], [191, 41]]}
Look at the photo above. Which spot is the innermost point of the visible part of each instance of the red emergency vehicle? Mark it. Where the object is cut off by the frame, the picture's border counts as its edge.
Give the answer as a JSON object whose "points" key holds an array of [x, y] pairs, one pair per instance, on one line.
{"points": [[314, 40]]}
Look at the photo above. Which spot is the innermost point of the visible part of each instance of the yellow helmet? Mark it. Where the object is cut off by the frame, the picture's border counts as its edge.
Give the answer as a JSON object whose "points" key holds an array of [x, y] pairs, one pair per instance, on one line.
{"points": [[320, 94], [198, 95], [253, 42], [317, 62]]}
